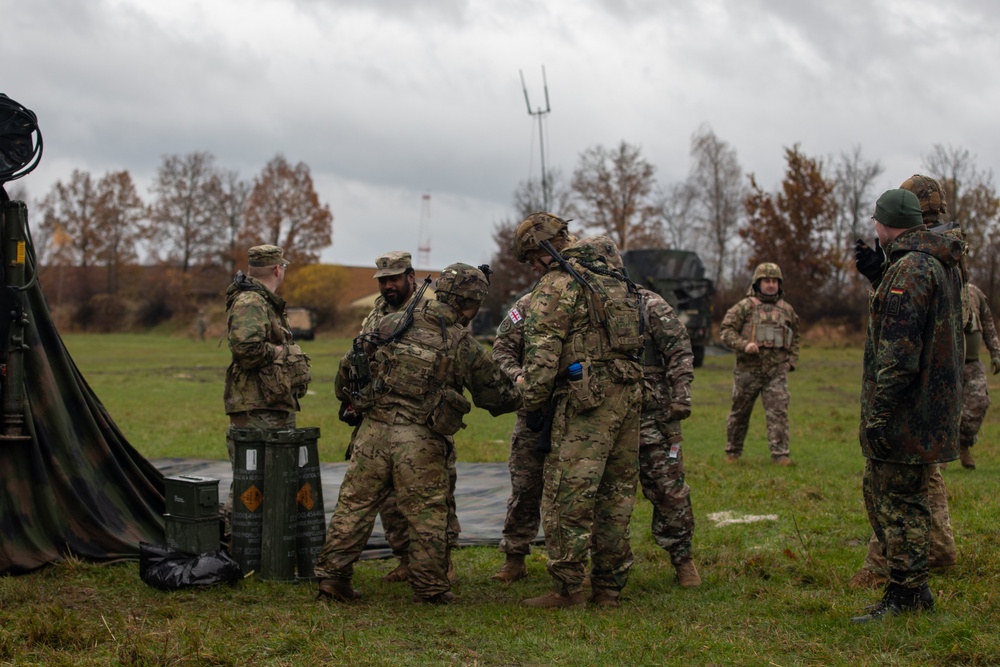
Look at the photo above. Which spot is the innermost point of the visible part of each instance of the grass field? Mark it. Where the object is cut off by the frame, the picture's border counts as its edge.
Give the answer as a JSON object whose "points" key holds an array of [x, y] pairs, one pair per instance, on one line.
{"points": [[774, 592]]}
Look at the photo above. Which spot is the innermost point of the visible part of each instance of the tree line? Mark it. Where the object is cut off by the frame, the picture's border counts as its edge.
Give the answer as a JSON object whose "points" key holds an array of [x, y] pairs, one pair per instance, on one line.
{"points": [[808, 226]]}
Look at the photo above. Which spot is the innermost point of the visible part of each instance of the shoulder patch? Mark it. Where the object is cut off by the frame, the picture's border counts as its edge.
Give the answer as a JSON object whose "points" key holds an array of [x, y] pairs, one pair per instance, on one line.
{"points": [[893, 303], [515, 315]]}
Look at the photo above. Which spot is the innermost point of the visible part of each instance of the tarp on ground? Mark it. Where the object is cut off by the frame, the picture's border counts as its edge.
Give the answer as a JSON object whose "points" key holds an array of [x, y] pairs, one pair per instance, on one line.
{"points": [[77, 487], [480, 496]]}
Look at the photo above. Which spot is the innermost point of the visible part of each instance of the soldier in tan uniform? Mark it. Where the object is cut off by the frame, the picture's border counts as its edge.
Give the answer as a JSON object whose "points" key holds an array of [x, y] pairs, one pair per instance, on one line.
{"points": [[763, 330], [414, 402]]}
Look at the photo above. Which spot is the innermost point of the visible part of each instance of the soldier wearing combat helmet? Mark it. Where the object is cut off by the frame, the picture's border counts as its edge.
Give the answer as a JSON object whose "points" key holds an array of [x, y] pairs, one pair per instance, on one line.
{"points": [[415, 403], [763, 330]]}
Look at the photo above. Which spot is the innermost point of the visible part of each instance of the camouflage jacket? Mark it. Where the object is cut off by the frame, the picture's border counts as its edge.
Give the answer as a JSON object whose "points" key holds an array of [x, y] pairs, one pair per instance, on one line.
{"points": [[561, 328], [912, 379], [368, 325], [508, 346], [667, 360], [743, 323], [979, 326], [256, 379], [420, 377]]}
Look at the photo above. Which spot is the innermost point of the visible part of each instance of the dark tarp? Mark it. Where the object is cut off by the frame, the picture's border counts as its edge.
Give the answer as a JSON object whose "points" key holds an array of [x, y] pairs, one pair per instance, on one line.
{"points": [[77, 487]]}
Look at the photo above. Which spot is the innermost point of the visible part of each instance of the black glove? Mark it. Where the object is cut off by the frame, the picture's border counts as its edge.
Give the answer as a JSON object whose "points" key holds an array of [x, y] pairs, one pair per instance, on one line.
{"points": [[877, 442], [348, 415], [535, 420], [869, 262]]}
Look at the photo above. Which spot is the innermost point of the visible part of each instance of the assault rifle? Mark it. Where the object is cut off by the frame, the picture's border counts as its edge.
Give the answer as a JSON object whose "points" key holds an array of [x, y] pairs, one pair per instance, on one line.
{"points": [[566, 266]]}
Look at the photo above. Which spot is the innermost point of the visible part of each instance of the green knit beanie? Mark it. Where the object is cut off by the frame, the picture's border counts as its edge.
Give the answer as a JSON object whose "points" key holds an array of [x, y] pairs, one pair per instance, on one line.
{"points": [[898, 208]]}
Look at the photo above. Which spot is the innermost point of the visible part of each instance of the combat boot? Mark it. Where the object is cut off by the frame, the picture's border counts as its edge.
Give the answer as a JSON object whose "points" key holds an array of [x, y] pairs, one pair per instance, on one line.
{"points": [[899, 600], [867, 579], [965, 456], [604, 597], [784, 461], [446, 597], [555, 600], [338, 590], [732, 458], [687, 574], [401, 573], [513, 569]]}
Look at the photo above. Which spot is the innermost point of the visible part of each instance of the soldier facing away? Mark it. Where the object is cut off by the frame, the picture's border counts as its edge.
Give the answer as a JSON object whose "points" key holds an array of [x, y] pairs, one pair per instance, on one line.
{"points": [[413, 403], [269, 373], [582, 390], [980, 330], [763, 330]]}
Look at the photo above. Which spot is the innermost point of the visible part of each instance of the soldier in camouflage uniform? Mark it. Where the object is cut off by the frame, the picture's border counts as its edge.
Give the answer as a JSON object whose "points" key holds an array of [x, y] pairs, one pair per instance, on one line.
{"points": [[668, 370], [588, 322], [268, 373], [412, 405], [979, 330], [397, 286], [913, 357], [942, 555], [520, 526], [763, 330]]}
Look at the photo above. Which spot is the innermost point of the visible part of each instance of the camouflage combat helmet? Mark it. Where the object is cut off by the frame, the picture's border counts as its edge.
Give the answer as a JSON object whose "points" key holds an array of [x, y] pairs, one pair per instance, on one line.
{"points": [[597, 249], [460, 285], [534, 229], [767, 270], [930, 194]]}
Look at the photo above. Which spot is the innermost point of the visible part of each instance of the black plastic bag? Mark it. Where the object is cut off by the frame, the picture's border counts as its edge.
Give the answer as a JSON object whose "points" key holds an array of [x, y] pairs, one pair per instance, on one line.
{"points": [[169, 569]]}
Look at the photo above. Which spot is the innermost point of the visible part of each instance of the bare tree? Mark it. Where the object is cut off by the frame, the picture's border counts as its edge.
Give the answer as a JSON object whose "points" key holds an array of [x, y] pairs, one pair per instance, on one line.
{"points": [[228, 196], [119, 215], [853, 178], [284, 210], [528, 197], [183, 224], [614, 189], [677, 210], [68, 217], [716, 181]]}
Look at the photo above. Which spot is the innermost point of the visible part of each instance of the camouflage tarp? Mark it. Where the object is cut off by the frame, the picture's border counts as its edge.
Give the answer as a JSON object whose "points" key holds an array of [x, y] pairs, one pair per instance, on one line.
{"points": [[77, 487]]}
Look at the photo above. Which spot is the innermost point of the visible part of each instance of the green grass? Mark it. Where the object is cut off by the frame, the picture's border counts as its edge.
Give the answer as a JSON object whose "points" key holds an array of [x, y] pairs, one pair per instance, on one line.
{"points": [[774, 592]]}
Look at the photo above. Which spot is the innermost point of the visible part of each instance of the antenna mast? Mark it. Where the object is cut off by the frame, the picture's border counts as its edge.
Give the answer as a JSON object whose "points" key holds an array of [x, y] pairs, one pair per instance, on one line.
{"points": [[540, 115], [424, 240]]}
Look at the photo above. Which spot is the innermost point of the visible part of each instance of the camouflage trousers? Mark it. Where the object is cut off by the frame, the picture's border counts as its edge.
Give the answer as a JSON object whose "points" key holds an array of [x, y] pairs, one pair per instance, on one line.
{"points": [[661, 473], [772, 387], [397, 529], [589, 489], [411, 461], [524, 515], [898, 504], [272, 419], [975, 402], [941, 553]]}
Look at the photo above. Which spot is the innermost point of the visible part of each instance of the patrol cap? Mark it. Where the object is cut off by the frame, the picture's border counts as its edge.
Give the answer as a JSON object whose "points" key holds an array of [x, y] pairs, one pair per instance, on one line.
{"points": [[393, 263], [898, 208], [266, 255]]}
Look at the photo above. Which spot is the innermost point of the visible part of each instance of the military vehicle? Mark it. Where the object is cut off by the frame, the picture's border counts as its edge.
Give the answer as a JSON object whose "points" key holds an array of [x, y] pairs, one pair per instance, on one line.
{"points": [[302, 322], [679, 277]]}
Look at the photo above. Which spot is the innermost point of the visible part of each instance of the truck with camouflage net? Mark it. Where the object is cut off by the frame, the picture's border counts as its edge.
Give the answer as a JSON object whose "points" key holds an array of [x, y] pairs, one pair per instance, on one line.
{"points": [[679, 277]]}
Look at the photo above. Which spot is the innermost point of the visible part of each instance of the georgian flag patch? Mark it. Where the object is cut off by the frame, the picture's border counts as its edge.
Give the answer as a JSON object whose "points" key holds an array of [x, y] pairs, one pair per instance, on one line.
{"points": [[515, 315]]}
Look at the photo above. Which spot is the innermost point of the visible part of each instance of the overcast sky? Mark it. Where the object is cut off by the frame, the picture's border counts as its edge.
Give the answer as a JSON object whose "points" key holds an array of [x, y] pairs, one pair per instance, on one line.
{"points": [[386, 100]]}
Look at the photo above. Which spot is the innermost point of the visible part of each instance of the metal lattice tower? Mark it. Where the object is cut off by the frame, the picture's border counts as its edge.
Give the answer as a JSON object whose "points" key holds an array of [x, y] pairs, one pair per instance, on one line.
{"points": [[424, 240], [540, 115]]}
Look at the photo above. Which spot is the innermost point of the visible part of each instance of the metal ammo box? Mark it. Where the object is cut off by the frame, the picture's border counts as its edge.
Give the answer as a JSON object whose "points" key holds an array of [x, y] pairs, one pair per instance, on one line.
{"points": [[192, 536], [191, 497]]}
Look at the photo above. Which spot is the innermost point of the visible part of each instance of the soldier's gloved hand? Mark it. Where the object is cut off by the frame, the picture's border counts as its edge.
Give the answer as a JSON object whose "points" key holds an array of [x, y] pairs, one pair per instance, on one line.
{"points": [[869, 262], [995, 365], [348, 415], [679, 411], [877, 441], [535, 420]]}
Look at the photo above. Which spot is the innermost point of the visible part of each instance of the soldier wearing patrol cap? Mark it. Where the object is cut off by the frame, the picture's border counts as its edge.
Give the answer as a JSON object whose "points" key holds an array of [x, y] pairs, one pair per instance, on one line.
{"points": [[268, 373], [396, 286], [763, 330]]}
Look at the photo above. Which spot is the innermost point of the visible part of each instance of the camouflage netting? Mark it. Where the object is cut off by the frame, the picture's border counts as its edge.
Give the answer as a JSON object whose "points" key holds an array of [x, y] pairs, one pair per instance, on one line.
{"points": [[77, 487]]}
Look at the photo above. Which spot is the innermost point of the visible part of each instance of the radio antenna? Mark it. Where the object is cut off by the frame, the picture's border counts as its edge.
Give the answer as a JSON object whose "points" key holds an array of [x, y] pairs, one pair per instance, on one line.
{"points": [[540, 115]]}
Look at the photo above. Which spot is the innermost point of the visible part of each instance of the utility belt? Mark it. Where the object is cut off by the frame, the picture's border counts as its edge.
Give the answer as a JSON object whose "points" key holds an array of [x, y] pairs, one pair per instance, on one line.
{"points": [[586, 388]]}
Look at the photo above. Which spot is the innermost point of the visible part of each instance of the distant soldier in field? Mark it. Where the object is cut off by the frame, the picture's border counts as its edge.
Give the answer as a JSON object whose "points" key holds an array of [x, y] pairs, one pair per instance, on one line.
{"points": [[396, 286], [913, 361], [668, 370], [942, 555], [763, 330], [980, 330], [269, 373], [413, 404], [583, 393]]}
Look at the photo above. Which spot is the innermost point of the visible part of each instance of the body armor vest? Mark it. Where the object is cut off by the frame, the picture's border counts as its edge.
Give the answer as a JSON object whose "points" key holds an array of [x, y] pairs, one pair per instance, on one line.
{"points": [[771, 325]]}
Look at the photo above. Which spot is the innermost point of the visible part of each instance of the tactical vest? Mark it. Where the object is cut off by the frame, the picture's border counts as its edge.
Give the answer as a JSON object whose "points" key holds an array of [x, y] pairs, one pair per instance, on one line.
{"points": [[616, 322], [771, 324]]}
